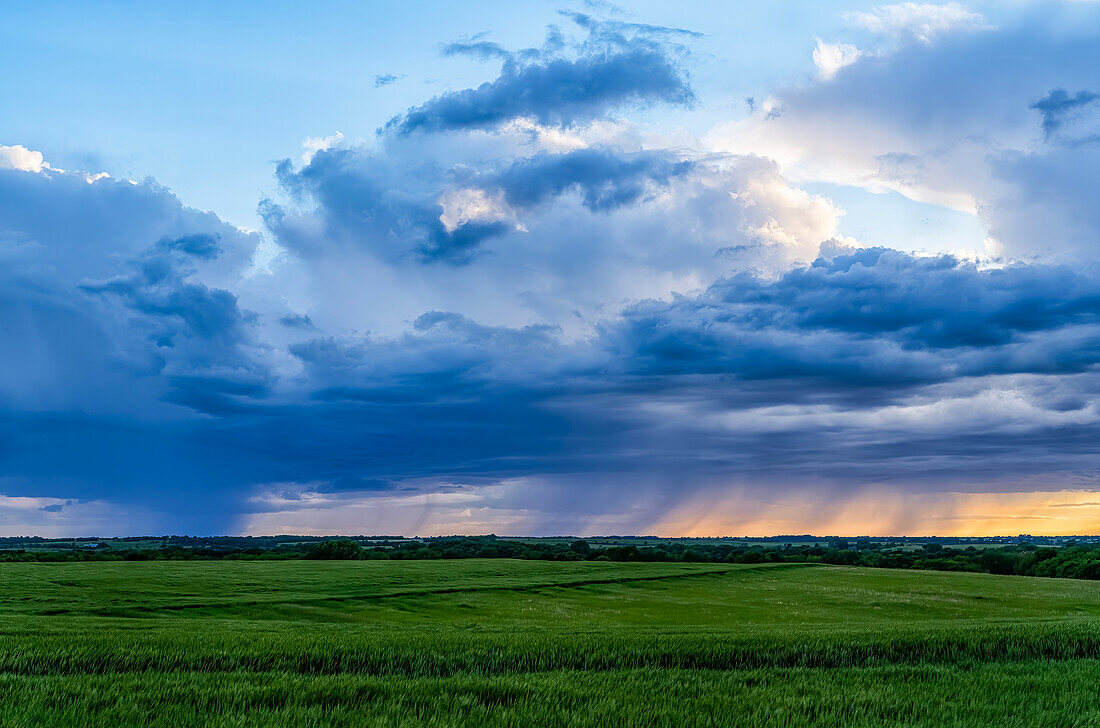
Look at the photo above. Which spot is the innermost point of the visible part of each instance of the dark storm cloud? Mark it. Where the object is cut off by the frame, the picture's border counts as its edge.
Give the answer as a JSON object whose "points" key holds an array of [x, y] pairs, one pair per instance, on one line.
{"points": [[452, 400], [925, 302], [134, 370], [217, 396], [117, 333], [159, 289], [874, 320], [97, 280], [457, 399], [200, 333]]}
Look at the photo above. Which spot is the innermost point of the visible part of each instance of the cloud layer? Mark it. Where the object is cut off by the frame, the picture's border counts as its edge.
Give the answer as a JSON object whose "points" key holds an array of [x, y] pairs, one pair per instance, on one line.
{"points": [[515, 309]]}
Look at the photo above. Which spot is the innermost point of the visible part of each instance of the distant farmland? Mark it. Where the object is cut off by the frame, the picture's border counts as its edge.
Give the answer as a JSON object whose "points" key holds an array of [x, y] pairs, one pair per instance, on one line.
{"points": [[528, 643]]}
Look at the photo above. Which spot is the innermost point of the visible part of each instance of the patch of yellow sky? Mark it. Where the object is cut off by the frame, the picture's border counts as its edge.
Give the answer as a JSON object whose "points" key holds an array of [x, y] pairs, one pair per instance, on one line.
{"points": [[730, 511], [878, 512]]}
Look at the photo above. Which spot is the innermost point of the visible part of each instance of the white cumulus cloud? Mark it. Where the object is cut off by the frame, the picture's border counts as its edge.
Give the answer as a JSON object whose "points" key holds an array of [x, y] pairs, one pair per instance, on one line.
{"points": [[831, 57], [23, 159], [917, 21]]}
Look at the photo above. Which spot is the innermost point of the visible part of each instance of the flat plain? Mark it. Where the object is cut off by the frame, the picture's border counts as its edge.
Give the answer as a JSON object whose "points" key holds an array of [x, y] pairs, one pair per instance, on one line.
{"points": [[530, 643]]}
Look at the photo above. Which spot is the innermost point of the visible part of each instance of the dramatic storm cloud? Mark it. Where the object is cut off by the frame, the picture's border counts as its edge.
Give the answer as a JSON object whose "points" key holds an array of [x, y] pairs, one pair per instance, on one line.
{"points": [[588, 294]]}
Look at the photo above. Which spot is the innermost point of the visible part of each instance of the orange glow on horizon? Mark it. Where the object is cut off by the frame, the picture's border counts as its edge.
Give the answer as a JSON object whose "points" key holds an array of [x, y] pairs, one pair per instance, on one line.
{"points": [[739, 511], [875, 512]]}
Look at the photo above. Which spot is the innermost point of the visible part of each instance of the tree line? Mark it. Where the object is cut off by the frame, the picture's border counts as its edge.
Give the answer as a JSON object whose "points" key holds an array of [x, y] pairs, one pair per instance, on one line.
{"points": [[1073, 560]]}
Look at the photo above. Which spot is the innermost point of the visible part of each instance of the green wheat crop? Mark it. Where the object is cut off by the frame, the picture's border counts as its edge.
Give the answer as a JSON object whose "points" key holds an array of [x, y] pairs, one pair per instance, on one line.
{"points": [[517, 643]]}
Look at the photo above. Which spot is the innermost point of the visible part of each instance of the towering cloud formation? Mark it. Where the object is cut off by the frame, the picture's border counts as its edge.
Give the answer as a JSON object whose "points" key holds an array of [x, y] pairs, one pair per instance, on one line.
{"points": [[514, 310], [549, 216], [1000, 123]]}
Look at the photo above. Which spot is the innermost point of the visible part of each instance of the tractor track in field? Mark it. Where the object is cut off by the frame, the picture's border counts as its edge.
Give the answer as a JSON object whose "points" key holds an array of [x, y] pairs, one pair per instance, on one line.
{"points": [[573, 584]]}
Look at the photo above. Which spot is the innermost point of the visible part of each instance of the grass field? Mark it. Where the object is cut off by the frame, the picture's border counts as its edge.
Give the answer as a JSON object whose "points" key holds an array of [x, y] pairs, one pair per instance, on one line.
{"points": [[529, 643]]}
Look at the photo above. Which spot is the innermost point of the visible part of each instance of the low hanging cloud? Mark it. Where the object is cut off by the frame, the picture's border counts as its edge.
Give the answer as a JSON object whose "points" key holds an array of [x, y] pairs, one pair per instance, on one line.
{"points": [[867, 365]]}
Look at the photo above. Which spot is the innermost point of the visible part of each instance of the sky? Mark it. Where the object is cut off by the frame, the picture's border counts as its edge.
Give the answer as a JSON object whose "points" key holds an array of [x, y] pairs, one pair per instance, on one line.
{"points": [[550, 268]]}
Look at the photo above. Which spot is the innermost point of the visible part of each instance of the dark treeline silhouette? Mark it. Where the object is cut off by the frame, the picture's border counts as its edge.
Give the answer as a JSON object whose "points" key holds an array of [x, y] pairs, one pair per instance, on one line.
{"points": [[1071, 560]]}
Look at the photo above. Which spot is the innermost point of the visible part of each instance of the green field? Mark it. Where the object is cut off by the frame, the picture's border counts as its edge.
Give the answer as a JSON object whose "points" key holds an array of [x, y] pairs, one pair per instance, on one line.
{"points": [[530, 643]]}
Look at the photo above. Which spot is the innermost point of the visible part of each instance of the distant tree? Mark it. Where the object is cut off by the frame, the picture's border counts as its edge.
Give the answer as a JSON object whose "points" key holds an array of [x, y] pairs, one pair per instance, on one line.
{"points": [[846, 557], [838, 544], [622, 553], [996, 561], [1025, 562], [581, 547], [338, 549], [871, 558], [1045, 553], [693, 555]]}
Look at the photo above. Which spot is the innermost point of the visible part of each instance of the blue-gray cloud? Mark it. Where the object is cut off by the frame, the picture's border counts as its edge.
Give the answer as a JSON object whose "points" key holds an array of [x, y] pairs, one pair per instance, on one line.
{"points": [[606, 179], [853, 333], [296, 321], [483, 50], [152, 361], [610, 30], [107, 325], [386, 79], [191, 326], [202, 245], [621, 64], [1058, 105], [869, 318], [361, 196], [356, 201], [452, 400]]}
